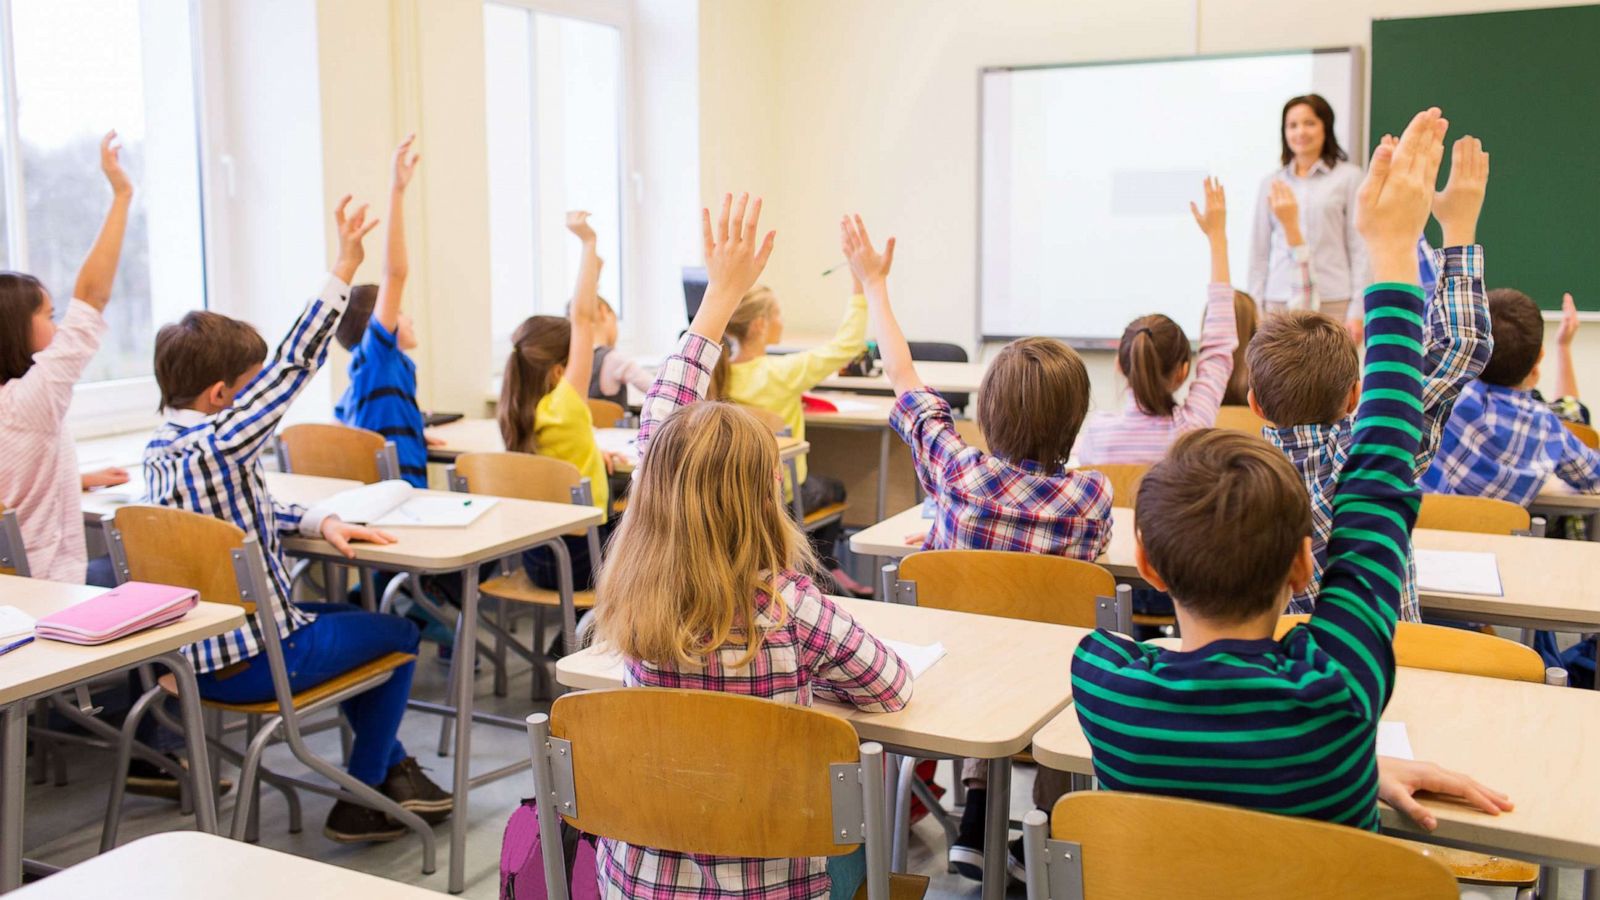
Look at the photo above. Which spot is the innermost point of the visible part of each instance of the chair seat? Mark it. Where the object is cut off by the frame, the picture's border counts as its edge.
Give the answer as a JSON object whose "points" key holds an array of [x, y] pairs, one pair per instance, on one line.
{"points": [[1480, 868], [364, 672], [1152, 621], [901, 887], [825, 514], [519, 588]]}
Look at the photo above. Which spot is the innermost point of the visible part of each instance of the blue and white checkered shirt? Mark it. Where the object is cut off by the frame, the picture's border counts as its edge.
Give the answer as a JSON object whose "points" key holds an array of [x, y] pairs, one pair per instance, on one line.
{"points": [[1459, 341], [212, 465], [1504, 443]]}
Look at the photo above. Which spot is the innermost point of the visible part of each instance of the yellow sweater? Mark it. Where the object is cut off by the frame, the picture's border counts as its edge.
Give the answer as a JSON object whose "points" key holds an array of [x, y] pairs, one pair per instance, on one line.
{"points": [[564, 429], [775, 383]]}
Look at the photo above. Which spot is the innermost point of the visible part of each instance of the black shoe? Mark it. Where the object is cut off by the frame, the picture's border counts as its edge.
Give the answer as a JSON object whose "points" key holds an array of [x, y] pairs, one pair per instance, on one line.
{"points": [[406, 785], [1016, 861], [351, 824], [147, 779], [966, 854]]}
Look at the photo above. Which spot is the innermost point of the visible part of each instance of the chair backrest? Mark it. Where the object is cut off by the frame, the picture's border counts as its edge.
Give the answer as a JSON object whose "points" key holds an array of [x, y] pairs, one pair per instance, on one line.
{"points": [[940, 351], [1458, 650], [173, 546], [1482, 515], [13, 553], [643, 772], [605, 413], [1241, 418], [331, 451], [1585, 433], [1029, 586], [526, 476], [1205, 844], [1124, 478]]}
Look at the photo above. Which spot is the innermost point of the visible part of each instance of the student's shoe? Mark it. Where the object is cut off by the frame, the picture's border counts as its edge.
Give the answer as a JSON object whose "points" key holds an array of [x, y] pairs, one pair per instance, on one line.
{"points": [[349, 823], [1016, 861], [406, 785], [966, 854], [150, 780]]}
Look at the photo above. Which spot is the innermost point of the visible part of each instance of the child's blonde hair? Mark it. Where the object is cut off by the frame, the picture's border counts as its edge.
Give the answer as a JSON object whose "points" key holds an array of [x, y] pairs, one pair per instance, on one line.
{"points": [[707, 527], [757, 303], [539, 344]]}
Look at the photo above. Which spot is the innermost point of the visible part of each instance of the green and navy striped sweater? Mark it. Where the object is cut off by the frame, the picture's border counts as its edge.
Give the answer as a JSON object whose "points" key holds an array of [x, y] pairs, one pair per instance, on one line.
{"points": [[1285, 726]]}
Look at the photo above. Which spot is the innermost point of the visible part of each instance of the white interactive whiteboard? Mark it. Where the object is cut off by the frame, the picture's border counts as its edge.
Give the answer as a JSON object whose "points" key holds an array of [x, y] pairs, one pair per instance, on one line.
{"points": [[1087, 171]]}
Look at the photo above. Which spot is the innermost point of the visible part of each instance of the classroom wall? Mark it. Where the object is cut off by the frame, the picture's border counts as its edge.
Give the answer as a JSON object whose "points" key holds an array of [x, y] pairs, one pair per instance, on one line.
{"points": [[835, 105]]}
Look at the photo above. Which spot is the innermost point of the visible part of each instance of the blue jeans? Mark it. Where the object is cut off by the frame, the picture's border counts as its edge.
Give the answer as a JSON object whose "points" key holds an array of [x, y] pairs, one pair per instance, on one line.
{"points": [[341, 638]]}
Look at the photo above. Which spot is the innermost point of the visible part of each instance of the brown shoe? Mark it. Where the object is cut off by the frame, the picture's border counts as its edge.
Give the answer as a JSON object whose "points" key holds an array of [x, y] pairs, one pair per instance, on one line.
{"points": [[150, 780], [349, 823], [408, 786]]}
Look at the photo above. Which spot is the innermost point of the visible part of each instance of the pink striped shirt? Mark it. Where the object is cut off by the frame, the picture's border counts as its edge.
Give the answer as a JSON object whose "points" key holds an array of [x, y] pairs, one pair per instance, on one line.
{"points": [[38, 461], [1135, 436]]}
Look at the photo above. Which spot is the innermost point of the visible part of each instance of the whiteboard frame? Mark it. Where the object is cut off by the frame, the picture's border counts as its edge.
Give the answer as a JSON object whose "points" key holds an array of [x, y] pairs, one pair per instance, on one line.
{"points": [[1358, 154]]}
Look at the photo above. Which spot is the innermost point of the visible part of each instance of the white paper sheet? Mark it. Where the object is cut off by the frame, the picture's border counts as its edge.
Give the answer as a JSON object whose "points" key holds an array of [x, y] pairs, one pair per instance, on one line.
{"points": [[622, 441], [436, 512], [1459, 572], [14, 623], [852, 406], [1394, 741], [920, 657]]}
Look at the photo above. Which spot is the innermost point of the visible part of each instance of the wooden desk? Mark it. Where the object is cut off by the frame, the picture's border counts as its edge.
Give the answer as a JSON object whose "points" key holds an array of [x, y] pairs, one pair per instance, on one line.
{"points": [[944, 377], [1528, 740], [483, 436], [44, 667], [999, 682], [187, 865]]}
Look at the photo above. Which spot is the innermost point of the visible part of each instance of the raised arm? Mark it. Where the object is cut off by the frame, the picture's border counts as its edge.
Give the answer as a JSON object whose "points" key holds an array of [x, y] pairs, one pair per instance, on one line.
{"points": [[1566, 375], [1286, 210], [395, 264], [1219, 335], [100, 266], [585, 306], [871, 270]]}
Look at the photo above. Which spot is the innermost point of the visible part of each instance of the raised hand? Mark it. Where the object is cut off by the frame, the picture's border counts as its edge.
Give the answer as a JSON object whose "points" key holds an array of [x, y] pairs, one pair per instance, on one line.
{"points": [[1569, 321], [405, 163], [1397, 195], [352, 229], [578, 224], [1286, 209], [111, 165], [867, 265], [734, 260], [1213, 221], [1458, 205]]}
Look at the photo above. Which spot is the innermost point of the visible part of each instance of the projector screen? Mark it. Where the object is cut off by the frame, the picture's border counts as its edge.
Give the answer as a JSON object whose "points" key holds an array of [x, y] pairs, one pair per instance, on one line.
{"points": [[1087, 172]]}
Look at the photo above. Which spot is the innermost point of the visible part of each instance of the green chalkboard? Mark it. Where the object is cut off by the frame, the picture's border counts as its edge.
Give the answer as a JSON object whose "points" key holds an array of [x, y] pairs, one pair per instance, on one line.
{"points": [[1528, 84]]}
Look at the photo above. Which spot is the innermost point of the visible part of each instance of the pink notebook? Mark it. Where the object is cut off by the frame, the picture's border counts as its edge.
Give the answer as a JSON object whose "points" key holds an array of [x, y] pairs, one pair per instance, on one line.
{"points": [[119, 612]]}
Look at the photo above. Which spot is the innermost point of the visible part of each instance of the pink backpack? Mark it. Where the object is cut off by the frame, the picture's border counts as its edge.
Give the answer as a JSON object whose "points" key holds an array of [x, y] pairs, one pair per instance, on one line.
{"points": [[522, 863]]}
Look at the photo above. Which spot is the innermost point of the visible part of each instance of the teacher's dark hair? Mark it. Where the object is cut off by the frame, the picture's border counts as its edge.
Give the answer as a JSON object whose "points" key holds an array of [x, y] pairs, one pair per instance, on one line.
{"points": [[1332, 153]]}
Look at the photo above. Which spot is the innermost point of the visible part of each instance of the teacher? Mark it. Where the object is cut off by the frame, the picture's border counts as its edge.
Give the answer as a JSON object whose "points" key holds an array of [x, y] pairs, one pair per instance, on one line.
{"points": [[1324, 184]]}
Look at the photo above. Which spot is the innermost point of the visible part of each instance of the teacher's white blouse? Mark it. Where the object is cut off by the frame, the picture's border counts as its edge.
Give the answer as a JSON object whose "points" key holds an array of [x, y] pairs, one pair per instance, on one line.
{"points": [[1327, 198]]}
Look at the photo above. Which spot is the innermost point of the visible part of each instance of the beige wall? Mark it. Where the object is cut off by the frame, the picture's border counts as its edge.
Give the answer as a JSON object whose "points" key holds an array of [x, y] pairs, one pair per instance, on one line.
{"points": [[835, 105]]}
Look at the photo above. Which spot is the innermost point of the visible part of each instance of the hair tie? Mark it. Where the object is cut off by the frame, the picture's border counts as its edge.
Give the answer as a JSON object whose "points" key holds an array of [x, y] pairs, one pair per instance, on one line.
{"points": [[1144, 329]]}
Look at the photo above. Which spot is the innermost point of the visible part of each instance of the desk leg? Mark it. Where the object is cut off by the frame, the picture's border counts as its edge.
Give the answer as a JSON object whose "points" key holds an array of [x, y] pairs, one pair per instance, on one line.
{"points": [[997, 829], [461, 786], [194, 733], [884, 443], [13, 765]]}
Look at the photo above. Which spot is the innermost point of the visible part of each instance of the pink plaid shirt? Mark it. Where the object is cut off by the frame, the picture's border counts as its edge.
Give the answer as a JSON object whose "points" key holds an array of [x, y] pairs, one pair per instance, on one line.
{"points": [[808, 647], [988, 503]]}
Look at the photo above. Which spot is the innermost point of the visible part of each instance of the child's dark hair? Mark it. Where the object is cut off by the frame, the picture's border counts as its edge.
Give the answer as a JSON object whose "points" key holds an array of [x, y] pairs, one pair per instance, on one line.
{"points": [[353, 324], [1302, 366], [1151, 350], [201, 349], [539, 344], [1032, 401], [1518, 337], [20, 298]]}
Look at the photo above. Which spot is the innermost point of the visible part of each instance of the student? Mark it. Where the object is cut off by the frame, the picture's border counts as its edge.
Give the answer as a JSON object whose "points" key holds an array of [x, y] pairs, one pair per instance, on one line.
{"points": [[1235, 716], [1503, 440], [1154, 356], [382, 395], [746, 374], [1246, 319], [40, 362], [1019, 497], [613, 371], [542, 408], [222, 399], [1304, 367], [745, 618]]}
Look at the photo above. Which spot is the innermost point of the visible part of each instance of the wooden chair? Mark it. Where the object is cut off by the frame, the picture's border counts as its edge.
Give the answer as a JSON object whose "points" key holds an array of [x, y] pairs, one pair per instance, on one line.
{"points": [[634, 765], [526, 476], [1099, 844], [1481, 515], [1585, 433], [1241, 418], [1124, 478], [810, 519], [225, 566], [13, 553], [1028, 586], [337, 451], [605, 413]]}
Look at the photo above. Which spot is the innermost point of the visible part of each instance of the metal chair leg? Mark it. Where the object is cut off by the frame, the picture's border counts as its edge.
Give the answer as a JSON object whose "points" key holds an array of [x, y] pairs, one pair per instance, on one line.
{"points": [[246, 812], [119, 773], [347, 738], [501, 678], [902, 812], [446, 731]]}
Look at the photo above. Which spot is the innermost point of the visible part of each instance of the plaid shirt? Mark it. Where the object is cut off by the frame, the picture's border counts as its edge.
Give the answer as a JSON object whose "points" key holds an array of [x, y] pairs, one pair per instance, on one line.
{"points": [[989, 503], [809, 647], [1459, 342], [1505, 443]]}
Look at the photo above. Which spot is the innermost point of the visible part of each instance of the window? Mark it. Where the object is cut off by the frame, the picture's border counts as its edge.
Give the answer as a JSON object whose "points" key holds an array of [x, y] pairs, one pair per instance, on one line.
{"points": [[555, 100], [74, 70]]}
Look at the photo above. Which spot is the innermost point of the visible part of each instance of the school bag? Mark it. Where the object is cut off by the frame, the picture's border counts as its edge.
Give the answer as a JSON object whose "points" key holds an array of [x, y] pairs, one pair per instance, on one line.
{"points": [[522, 860]]}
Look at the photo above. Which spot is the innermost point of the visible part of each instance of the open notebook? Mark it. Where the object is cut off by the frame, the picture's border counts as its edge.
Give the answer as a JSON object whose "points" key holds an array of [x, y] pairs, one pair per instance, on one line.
{"points": [[395, 503]]}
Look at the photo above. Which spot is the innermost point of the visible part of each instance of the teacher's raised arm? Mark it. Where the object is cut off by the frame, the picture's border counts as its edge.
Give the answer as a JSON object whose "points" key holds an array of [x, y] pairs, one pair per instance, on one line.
{"points": [[1305, 251]]}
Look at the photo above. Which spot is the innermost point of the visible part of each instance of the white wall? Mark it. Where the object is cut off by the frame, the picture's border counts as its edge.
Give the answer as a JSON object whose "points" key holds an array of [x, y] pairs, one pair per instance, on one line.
{"points": [[834, 105]]}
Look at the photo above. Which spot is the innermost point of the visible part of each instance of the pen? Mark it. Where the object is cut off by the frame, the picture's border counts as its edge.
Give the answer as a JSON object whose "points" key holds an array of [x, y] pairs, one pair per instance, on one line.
{"points": [[15, 644]]}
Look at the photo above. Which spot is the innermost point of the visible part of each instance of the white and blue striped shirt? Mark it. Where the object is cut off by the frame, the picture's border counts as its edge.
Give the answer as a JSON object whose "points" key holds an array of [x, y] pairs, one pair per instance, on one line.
{"points": [[211, 464]]}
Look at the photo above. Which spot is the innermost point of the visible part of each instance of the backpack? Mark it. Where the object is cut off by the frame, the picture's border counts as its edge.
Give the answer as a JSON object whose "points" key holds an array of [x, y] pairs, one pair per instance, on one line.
{"points": [[522, 863]]}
